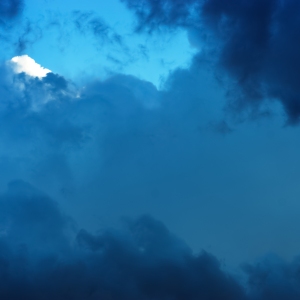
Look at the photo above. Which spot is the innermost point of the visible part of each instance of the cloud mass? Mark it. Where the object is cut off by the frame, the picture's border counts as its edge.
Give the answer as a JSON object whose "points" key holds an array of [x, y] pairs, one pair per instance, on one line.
{"points": [[254, 43], [89, 165], [49, 258], [26, 64]]}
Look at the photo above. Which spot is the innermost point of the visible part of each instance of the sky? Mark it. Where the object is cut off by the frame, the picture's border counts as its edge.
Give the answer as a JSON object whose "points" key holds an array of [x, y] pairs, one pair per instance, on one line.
{"points": [[149, 149]]}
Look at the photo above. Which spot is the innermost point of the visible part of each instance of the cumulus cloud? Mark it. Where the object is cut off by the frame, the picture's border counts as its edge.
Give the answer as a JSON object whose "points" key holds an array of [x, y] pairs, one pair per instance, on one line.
{"points": [[44, 256], [27, 65]]}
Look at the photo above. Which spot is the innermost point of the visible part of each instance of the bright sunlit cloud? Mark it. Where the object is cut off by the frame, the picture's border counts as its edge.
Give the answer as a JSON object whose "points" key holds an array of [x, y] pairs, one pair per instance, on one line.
{"points": [[26, 64]]}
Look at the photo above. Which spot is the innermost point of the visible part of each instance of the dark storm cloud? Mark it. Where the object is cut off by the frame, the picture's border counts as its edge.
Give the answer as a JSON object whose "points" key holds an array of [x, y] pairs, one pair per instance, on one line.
{"points": [[256, 43], [44, 256], [39, 261]]}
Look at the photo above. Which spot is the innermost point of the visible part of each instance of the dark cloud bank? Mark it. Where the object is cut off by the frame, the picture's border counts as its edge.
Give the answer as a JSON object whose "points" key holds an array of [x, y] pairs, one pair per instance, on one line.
{"points": [[44, 256], [255, 44]]}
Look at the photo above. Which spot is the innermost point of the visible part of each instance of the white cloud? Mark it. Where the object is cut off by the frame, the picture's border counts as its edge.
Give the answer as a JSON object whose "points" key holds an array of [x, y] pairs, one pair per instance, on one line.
{"points": [[26, 64]]}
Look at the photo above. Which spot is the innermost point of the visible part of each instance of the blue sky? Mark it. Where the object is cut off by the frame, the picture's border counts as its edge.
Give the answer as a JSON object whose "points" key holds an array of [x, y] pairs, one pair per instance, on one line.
{"points": [[158, 54], [149, 149]]}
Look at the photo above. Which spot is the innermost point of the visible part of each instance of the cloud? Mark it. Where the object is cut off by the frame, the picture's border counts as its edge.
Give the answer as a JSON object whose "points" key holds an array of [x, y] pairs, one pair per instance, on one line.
{"points": [[118, 147], [110, 138], [273, 278], [26, 64], [28, 34], [113, 146], [254, 46], [29, 217], [48, 118], [11, 26], [10, 9], [145, 261], [19, 32], [89, 22], [153, 14], [44, 256]]}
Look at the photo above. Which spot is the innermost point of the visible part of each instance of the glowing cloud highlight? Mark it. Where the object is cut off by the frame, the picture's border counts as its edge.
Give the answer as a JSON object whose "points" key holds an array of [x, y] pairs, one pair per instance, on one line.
{"points": [[26, 64]]}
